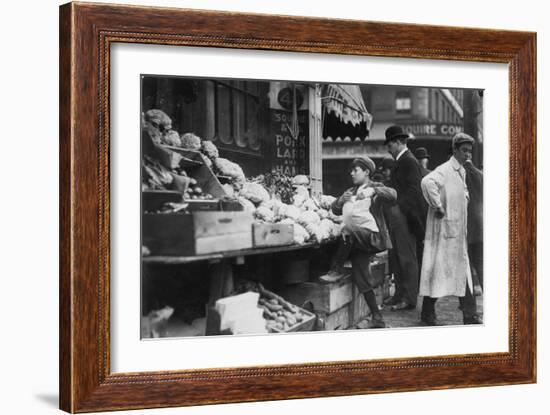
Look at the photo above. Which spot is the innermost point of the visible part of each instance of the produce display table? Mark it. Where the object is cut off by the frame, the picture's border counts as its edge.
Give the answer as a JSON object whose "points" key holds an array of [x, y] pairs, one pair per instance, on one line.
{"points": [[220, 272], [158, 259]]}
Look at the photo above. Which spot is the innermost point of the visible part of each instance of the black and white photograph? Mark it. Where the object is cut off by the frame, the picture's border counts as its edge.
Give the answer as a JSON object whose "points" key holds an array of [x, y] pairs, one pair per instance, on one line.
{"points": [[285, 206]]}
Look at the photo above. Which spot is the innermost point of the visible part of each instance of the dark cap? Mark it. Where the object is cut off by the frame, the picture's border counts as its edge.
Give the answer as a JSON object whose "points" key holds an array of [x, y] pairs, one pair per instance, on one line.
{"points": [[421, 153], [395, 132], [365, 163], [461, 138]]}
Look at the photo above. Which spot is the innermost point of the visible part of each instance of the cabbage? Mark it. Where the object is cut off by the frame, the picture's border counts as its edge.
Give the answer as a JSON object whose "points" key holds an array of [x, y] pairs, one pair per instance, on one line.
{"points": [[255, 192], [308, 217], [210, 149], [191, 141]]}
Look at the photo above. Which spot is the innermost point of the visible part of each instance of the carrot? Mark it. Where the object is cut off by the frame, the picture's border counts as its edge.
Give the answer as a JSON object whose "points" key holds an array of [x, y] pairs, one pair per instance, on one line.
{"points": [[270, 306], [271, 295]]}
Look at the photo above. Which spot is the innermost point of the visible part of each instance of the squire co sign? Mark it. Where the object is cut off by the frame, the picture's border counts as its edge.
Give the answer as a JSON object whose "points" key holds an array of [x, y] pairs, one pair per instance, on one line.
{"points": [[432, 129]]}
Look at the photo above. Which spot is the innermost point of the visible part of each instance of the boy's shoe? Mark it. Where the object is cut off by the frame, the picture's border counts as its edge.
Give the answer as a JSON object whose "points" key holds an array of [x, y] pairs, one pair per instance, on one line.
{"points": [[332, 276], [377, 321]]}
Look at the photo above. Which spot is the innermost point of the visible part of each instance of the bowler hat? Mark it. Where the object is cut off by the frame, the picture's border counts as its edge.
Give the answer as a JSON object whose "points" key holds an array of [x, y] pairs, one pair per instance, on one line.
{"points": [[421, 153], [461, 138], [365, 163], [395, 132]]}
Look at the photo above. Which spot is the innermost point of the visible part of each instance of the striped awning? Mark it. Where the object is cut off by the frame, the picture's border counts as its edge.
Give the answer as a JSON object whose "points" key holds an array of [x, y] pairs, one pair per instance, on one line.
{"points": [[346, 103]]}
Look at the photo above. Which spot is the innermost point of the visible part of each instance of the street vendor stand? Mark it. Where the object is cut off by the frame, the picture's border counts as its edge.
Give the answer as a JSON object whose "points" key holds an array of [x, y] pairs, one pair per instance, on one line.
{"points": [[280, 132]]}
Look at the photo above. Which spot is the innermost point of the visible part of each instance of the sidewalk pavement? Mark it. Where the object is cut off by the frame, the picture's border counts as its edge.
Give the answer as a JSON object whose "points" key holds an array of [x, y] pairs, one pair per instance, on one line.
{"points": [[446, 310]]}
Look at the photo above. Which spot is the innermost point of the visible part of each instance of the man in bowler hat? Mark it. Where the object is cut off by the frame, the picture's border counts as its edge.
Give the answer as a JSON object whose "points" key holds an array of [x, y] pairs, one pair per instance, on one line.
{"points": [[423, 158], [409, 219]]}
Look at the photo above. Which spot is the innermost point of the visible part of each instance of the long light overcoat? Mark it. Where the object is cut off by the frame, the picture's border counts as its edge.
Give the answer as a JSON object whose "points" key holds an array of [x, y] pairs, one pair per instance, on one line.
{"points": [[445, 264]]}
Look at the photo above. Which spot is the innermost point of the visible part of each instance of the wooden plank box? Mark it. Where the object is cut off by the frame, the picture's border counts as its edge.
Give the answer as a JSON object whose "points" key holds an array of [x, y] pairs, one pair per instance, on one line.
{"points": [[338, 320], [346, 316], [153, 200], [307, 324], [320, 298], [196, 233], [194, 165], [272, 234]]}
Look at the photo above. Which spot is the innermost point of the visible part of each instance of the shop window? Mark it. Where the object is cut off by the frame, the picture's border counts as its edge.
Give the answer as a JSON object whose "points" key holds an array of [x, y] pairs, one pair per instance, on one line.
{"points": [[235, 110], [403, 103]]}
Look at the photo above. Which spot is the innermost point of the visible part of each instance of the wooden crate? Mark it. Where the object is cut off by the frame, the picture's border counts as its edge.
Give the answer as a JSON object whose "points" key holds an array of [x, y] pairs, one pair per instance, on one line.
{"points": [[337, 320], [196, 233], [193, 163], [153, 200], [346, 316], [307, 324], [272, 234], [195, 167], [321, 298], [213, 323]]}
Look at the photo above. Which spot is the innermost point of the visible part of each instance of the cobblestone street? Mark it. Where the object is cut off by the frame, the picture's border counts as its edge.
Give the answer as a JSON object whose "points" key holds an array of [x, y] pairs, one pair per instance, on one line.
{"points": [[447, 312]]}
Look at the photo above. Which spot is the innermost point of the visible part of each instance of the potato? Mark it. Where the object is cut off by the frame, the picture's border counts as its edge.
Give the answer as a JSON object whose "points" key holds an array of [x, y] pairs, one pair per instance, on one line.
{"points": [[270, 306]]}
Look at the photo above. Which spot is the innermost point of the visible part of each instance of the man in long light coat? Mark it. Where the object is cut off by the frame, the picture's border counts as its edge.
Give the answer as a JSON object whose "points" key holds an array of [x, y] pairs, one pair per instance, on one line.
{"points": [[445, 264]]}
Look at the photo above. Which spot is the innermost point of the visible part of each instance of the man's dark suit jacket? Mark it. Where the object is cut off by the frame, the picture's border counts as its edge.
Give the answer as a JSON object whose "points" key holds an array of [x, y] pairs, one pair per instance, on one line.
{"points": [[474, 182], [405, 179]]}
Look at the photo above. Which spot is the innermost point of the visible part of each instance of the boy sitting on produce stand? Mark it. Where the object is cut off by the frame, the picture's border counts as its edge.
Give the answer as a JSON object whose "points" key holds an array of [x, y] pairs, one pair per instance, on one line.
{"points": [[365, 232]]}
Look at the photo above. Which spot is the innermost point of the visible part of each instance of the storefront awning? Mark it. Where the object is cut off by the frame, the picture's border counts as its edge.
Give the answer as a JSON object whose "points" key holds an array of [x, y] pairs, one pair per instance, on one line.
{"points": [[346, 103]]}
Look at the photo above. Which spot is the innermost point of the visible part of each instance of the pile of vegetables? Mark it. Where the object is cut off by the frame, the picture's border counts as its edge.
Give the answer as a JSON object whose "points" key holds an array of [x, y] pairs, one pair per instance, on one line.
{"points": [[191, 141], [195, 192], [271, 197], [232, 170], [155, 175], [255, 192], [159, 126], [278, 185], [209, 149], [279, 314], [312, 219]]}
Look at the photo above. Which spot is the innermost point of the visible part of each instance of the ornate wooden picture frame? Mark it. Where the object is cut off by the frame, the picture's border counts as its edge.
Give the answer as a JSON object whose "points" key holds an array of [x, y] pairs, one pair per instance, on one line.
{"points": [[87, 32]]}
